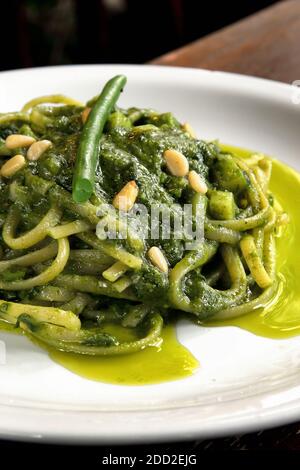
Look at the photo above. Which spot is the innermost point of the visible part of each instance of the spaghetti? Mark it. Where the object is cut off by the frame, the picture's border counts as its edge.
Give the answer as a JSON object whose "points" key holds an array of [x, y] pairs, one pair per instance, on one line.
{"points": [[62, 283]]}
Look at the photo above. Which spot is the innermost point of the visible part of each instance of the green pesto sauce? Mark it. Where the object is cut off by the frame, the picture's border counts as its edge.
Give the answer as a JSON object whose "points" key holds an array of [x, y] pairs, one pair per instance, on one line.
{"points": [[155, 364], [281, 319], [170, 360]]}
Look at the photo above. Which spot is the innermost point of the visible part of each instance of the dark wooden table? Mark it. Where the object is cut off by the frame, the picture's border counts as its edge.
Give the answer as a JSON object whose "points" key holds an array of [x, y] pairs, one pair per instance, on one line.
{"points": [[266, 44]]}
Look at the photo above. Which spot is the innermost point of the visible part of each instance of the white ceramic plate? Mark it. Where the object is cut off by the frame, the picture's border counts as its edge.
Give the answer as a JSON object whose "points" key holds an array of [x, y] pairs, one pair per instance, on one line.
{"points": [[244, 382]]}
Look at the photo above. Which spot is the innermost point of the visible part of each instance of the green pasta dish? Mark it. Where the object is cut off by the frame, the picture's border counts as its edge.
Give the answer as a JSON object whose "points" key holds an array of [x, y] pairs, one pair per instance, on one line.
{"points": [[71, 173]]}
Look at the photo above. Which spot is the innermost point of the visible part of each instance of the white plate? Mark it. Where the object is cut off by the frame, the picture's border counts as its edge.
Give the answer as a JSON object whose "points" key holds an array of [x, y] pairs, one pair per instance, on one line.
{"points": [[245, 382]]}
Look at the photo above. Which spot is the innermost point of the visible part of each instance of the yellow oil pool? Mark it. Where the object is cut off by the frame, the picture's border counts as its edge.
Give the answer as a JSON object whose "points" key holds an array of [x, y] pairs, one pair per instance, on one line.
{"points": [[167, 361]]}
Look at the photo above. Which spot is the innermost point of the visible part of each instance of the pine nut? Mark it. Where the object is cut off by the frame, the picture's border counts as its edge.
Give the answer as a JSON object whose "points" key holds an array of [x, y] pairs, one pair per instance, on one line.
{"points": [[37, 149], [176, 162], [12, 165], [84, 114], [197, 183], [157, 258], [126, 198], [15, 141], [188, 128]]}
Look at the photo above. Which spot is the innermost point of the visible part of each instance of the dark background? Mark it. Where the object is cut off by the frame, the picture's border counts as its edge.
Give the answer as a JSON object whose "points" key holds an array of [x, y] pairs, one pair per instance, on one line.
{"points": [[53, 32]]}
